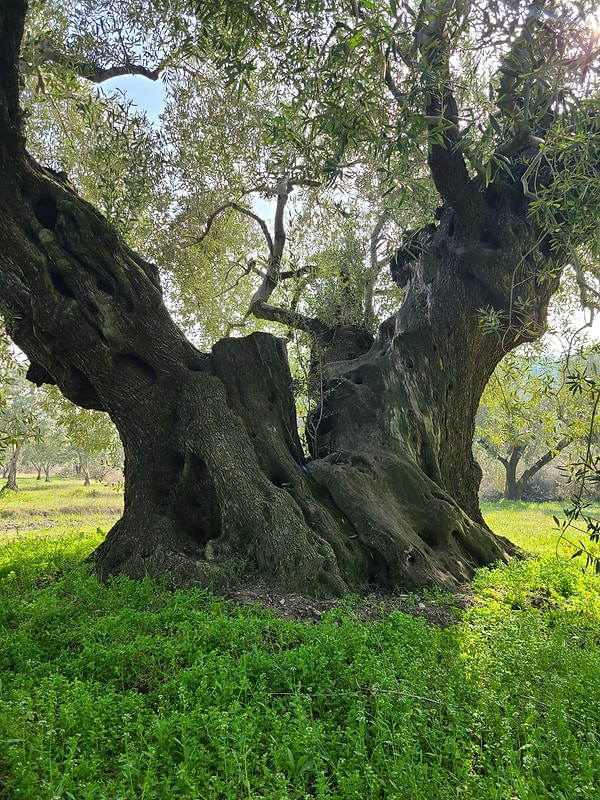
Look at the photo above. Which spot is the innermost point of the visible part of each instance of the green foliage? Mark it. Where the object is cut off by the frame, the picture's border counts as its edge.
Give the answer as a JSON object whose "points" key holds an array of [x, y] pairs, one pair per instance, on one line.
{"points": [[528, 415], [584, 472], [19, 405], [333, 93], [129, 690]]}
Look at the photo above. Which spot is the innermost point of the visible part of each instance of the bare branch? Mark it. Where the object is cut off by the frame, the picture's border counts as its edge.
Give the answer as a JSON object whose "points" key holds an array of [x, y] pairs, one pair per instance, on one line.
{"points": [[241, 210], [376, 264]]}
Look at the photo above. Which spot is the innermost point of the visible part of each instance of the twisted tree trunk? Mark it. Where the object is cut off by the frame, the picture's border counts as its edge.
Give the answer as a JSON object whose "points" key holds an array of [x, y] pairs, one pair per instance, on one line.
{"points": [[215, 474]]}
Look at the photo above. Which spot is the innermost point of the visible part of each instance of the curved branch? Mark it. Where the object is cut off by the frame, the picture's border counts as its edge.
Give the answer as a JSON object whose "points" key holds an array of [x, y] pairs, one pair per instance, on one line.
{"points": [[97, 74], [45, 52], [242, 210], [549, 456], [293, 319]]}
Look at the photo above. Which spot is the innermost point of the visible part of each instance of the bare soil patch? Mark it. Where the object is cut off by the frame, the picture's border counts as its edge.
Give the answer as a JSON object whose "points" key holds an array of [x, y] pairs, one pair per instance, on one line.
{"points": [[371, 608]]}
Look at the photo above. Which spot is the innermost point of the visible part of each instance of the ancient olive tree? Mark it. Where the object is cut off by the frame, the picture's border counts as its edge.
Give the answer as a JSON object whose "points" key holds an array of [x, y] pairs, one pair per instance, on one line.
{"points": [[215, 469]]}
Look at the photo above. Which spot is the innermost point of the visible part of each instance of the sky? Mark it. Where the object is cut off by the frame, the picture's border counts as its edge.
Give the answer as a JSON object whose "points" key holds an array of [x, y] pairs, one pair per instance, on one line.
{"points": [[146, 94]]}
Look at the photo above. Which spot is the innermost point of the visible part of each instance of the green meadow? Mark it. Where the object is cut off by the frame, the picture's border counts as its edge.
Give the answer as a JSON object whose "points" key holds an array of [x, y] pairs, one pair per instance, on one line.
{"points": [[129, 691]]}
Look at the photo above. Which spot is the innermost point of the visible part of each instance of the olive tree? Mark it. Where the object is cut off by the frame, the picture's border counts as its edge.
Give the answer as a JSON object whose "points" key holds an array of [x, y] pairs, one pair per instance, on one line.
{"points": [[214, 467]]}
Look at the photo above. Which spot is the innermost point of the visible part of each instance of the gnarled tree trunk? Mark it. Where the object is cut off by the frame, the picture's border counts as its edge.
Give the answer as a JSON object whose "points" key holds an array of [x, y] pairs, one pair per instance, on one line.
{"points": [[214, 471]]}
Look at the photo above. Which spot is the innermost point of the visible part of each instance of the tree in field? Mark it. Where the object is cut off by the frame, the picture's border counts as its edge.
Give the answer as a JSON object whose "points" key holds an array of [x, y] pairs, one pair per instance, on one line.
{"points": [[49, 447], [528, 417], [90, 438], [19, 421], [491, 108]]}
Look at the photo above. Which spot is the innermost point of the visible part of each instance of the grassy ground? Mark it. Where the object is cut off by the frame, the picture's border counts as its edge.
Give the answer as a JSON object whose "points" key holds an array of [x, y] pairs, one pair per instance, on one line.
{"points": [[128, 691], [62, 507]]}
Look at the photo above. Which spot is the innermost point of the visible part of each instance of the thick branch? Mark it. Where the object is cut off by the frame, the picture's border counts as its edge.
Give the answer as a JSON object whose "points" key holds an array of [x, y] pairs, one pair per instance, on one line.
{"points": [[292, 319], [12, 17], [97, 74], [542, 461], [446, 161]]}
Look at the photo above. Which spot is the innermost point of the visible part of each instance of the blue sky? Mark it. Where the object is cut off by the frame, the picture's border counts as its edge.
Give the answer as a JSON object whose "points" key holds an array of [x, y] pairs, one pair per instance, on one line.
{"points": [[146, 94]]}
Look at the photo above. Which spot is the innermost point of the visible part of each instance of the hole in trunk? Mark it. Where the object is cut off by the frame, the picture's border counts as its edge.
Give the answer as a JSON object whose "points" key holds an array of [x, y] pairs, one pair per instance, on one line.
{"points": [[429, 537], [61, 286], [280, 480], [45, 212]]}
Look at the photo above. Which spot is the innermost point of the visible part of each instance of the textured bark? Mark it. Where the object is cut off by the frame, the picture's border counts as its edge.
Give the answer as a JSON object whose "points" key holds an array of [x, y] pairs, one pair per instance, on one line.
{"points": [[513, 490], [11, 472], [215, 476]]}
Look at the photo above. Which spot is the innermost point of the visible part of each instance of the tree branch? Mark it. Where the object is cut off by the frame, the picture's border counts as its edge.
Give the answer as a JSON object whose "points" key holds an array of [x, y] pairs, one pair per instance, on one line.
{"points": [[549, 456], [271, 278], [97, 74], [242, 210], [12, 18], [445, 159], [293, 319], [375, 265], [44, 52]]}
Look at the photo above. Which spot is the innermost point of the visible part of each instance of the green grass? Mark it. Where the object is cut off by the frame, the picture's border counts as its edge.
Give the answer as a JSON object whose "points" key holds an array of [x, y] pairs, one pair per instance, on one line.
{"points": [[57, 509], [532, 526], [128, 691]]}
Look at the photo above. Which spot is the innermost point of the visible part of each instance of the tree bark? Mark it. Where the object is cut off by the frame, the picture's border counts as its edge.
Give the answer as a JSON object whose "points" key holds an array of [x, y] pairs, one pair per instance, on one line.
{"points": [[215, 476], [11, 473], [513, 489]]}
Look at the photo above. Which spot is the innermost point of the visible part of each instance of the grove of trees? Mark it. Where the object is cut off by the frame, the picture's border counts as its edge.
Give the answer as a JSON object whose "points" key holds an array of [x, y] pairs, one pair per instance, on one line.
{"points": [[529, 416], [393, 189], [40, 429]]}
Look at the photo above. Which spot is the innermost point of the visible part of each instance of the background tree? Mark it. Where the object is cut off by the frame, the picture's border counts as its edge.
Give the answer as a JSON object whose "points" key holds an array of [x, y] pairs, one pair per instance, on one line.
{"points": [[19, 419], [528, 416], [214, 465], [48, 449], [91, 437]]}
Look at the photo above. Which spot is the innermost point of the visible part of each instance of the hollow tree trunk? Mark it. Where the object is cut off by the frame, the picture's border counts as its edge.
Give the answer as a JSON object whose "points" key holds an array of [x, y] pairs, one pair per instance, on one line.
{"points": [[214, 470]]}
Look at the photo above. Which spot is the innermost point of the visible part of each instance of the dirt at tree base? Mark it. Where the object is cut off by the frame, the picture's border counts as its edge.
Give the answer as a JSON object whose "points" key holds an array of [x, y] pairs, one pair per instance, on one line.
{"points": [[442, 611]]}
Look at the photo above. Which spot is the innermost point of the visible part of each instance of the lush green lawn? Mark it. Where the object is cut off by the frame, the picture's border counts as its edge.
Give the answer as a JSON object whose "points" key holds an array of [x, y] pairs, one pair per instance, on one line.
{"points": [[131, 691]]}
